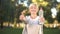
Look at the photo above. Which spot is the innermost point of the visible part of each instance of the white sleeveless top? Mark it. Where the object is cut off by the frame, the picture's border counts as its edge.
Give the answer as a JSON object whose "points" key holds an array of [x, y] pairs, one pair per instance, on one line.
{"points": [[31, 21]]}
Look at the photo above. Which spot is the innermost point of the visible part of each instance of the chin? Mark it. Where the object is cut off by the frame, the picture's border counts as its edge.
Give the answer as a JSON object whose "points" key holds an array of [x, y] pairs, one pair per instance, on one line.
{"points": [[33, 13]]}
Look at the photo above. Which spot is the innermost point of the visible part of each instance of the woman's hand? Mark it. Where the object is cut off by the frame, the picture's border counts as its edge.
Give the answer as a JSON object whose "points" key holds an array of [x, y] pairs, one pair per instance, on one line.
{"points": [[22, 17], [42, 19]]}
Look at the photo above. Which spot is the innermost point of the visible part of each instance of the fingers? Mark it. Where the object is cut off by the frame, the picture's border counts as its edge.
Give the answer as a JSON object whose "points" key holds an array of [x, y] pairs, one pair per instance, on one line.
{"points": [[23, 12], [42, 19], [21, 17]]}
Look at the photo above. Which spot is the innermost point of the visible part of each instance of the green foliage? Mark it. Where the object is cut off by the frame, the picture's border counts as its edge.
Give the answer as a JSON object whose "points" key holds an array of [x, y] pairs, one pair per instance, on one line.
{"points": [[58, 16], [9, 11]]}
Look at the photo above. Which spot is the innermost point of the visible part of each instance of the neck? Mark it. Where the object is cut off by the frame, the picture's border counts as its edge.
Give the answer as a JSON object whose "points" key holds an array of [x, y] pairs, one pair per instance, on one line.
{"points": [[33, 16]]}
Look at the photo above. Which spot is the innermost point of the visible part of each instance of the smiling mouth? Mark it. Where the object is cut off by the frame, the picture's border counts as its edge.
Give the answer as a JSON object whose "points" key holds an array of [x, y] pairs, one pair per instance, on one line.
{"points": [[33, 10]]}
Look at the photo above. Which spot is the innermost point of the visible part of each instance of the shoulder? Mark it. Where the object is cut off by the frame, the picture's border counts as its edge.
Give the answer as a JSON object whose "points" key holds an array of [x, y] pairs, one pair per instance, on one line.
{"points": [[37, 16], [27, 17]]}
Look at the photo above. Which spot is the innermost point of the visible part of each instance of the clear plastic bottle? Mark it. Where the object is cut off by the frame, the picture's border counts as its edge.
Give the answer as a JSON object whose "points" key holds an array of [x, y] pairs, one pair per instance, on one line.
{"points": [[41, 23], [40, 14]]}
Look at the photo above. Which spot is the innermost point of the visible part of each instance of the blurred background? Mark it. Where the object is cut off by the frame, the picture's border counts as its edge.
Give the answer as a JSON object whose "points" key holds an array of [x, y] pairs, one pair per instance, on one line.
{"points": [[10, 10]]}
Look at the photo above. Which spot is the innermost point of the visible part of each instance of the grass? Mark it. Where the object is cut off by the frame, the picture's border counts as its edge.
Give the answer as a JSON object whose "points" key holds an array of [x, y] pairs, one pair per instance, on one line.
{"points": [[51, 31], [9, 30]]}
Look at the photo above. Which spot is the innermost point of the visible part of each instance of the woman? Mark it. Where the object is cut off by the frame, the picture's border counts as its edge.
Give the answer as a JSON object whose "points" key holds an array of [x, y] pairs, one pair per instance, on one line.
{"points": [[32, 26]]}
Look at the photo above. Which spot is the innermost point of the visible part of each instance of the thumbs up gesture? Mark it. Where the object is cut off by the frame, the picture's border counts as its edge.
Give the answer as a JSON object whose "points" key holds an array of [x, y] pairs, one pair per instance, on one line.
{"points": [[22, 17]]}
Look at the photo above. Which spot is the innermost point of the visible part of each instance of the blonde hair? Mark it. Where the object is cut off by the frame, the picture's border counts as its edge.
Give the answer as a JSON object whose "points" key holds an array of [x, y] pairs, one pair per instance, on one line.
{"points": [[33, 4]]}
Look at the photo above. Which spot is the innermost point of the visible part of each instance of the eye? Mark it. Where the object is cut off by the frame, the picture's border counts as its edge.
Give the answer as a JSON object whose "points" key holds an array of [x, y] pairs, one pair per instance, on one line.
{"points": [[31, 7], [34, 7]]}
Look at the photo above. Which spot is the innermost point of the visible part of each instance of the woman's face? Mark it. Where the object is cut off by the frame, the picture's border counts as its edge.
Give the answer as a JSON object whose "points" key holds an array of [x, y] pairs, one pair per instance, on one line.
{"points": [[33, 9]]}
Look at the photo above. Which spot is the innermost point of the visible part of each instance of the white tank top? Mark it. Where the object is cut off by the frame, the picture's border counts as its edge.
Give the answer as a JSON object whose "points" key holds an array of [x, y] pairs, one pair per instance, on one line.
{"points": [[32, 21]]}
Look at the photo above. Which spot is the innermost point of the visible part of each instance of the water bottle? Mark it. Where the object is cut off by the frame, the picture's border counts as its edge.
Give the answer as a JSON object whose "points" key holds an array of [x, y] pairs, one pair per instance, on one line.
{"points": [[40, 14], [41, 23]]}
